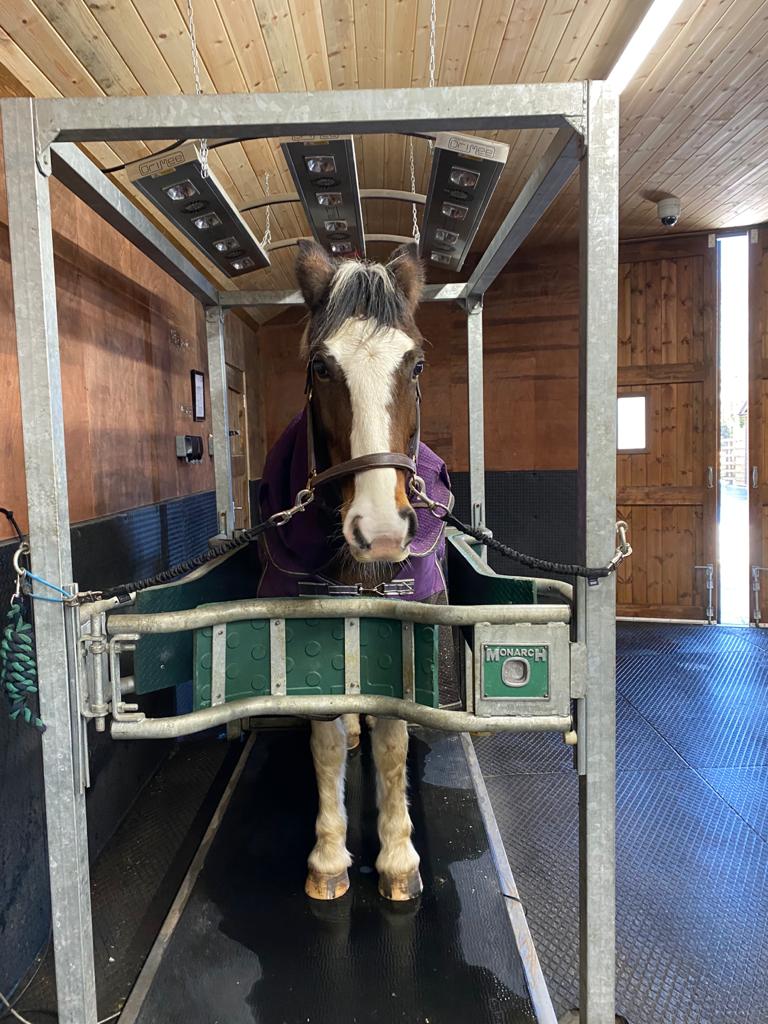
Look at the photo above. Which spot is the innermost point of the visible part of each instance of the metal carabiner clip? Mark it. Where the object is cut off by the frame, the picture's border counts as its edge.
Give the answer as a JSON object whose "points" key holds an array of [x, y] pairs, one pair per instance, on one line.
{"points": [[419, 490], [304, 498], [21, 552]]}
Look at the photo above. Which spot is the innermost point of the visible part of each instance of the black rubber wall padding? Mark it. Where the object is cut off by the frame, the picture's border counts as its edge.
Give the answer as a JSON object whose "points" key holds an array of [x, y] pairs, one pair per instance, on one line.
{"points": [[534, 511]]}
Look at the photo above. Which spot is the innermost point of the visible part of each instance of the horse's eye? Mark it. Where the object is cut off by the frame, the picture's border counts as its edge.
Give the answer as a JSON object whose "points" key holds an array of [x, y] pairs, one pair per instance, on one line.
{"points": [[321, 370], [418, 369]]}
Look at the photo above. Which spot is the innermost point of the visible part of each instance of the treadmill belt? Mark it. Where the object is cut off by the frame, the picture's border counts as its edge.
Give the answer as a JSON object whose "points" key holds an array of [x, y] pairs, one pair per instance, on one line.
{"points": [[251, 948]]}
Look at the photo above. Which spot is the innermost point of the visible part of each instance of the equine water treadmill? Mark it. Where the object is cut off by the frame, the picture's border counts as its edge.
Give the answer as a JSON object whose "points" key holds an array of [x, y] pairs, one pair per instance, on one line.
{"points": [[244, 945]]}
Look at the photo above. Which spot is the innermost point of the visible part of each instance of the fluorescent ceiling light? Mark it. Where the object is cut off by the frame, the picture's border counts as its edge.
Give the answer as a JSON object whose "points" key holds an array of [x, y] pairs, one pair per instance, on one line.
{"points": [[658, 16]]}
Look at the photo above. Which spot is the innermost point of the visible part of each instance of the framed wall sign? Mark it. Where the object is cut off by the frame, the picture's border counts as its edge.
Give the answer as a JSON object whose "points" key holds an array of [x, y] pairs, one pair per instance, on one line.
{"points": [[198, 395]]}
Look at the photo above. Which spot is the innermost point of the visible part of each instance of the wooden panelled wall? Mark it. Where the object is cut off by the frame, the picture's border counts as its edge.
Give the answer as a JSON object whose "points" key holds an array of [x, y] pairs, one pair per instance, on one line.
{"points": [[129, 338], [531, 323]]}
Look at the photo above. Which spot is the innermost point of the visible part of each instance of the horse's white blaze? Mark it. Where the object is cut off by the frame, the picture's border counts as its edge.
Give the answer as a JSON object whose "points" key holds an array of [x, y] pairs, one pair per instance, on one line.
{"points": [[369, 359]]}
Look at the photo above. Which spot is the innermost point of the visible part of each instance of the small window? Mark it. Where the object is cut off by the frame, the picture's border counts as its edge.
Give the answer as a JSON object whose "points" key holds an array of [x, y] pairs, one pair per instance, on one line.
{"points": [[632, 423]]}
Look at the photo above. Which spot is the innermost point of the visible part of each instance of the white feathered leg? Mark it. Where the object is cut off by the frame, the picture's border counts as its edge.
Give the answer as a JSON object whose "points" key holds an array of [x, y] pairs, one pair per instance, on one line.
{"points": [[398, 861], [328, 877]]}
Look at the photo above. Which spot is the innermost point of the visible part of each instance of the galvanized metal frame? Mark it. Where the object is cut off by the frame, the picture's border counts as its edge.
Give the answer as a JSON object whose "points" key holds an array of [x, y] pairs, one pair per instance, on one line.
{"points": [[39, 137]]}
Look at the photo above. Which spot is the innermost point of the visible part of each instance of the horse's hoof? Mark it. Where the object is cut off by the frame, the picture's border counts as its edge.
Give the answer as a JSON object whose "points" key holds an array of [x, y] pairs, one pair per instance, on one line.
{"points": [[326, 887], [401, 888]]}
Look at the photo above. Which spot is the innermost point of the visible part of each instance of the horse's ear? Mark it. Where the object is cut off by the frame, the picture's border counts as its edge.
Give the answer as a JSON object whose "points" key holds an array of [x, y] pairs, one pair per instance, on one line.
{"points": [[314, 270], [408, 271]]}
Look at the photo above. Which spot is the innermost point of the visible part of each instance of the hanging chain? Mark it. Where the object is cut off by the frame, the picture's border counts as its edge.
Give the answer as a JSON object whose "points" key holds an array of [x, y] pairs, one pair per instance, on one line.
{"points": [[432, 47], [416, 232], [432, 34], [198, 87], [267, 238]]}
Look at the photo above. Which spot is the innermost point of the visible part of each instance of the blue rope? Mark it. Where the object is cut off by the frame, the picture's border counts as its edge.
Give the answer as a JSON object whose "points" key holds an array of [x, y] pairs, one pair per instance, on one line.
{"points": [[51, 586]]}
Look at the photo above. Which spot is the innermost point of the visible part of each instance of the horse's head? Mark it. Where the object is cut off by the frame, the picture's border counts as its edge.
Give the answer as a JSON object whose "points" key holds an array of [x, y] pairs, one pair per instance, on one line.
{"points": [[364, 354]]}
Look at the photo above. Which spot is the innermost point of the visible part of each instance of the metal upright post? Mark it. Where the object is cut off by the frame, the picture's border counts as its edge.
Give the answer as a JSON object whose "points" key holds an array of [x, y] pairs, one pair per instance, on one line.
{"points": [[222, 462], [476, 411], [596, 607], [37, 343]]}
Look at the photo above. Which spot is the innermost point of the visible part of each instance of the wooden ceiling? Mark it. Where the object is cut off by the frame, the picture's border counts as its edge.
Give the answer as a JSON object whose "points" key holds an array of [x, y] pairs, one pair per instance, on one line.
{"points": [[694, 118]]}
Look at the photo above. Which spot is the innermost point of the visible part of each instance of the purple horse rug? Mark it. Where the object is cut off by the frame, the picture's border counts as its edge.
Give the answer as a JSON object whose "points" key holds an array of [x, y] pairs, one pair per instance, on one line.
{"points": [[303, 549]]}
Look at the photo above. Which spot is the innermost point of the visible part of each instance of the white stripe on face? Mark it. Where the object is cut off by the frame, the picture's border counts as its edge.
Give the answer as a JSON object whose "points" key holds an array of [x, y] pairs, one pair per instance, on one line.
{"points": [[369, 360]]}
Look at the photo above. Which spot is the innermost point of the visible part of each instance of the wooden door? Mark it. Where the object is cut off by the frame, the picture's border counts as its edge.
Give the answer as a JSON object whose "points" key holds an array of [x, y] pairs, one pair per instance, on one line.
{"points": [[758, 413], [667, 490], [238, 447]]}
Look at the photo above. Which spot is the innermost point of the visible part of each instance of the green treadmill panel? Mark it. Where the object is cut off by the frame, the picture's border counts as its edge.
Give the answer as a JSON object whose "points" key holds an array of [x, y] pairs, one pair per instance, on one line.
{"points": [[314, 660], [472, 581], [165, 659]]}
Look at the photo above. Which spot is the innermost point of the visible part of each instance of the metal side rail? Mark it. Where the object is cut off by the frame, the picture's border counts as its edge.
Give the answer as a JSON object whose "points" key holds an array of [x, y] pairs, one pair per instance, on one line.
{"points": [[242, 942], [517, 664]]}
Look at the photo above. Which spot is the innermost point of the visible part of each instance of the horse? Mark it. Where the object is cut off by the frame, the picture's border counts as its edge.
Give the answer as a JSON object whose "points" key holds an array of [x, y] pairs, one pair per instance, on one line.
{"points": [[356, 446]]}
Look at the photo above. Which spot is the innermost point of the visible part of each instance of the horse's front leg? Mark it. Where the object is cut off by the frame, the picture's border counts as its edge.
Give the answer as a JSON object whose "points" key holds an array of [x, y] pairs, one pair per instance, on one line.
{"points": [[398, 862], [328, 878]]}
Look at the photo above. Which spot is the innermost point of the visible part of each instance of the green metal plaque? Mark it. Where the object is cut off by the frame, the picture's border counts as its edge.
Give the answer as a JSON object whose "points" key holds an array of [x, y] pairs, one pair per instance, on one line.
{"points": [[516, 671]]}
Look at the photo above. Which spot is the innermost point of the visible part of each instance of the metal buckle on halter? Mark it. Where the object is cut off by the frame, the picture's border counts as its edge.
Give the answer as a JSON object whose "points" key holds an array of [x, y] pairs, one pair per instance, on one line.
{"points": [[395, 588]]}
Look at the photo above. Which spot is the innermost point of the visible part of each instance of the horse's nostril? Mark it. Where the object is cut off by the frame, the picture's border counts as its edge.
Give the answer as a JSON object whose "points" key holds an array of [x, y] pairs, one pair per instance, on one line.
{"points": [[357, 534], [409, 515]]}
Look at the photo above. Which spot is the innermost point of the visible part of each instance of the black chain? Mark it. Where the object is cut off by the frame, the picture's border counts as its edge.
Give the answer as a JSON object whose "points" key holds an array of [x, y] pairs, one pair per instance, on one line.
{"points": [[563, 568], [12, 520]]}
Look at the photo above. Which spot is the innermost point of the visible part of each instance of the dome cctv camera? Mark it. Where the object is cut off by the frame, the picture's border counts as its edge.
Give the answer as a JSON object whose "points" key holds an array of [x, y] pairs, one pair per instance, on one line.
{"points": [[668, 211]]}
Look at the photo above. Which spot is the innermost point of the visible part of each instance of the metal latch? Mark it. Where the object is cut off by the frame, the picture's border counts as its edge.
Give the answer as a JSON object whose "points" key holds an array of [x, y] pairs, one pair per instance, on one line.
{"points": [[756, 570], [709, 569]]}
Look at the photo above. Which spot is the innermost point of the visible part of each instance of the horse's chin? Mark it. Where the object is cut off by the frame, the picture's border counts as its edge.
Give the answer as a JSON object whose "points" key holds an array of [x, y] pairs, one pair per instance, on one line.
{"points": [[371, 558]]}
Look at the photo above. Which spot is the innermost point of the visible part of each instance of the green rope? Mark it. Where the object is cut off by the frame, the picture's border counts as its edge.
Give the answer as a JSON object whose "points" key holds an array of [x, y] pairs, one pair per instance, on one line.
{"points": [[18, 669]]}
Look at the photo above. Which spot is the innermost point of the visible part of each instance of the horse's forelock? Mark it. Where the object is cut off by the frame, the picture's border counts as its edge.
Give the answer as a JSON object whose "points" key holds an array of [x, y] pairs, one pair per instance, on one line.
{"points": [[360, 291]]}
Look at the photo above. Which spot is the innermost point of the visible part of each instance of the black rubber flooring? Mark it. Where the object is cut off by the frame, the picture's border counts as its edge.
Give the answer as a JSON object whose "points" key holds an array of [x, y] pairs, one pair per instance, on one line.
{"points": [[250, 948], [135, 880], [692, 805]]}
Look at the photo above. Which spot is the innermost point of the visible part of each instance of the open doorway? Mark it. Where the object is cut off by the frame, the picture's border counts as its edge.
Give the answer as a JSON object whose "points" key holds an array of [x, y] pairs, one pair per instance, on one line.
{"points": [[733, 348]]}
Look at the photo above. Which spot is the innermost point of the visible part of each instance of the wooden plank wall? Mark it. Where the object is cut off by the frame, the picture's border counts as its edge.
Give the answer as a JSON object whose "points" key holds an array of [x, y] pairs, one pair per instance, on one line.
{"points": [[531, 367], [126, 383]]}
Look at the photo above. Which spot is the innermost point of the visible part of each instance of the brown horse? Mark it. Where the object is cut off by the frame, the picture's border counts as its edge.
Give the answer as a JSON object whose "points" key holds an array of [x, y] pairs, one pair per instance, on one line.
{"points": [[364, 356]]}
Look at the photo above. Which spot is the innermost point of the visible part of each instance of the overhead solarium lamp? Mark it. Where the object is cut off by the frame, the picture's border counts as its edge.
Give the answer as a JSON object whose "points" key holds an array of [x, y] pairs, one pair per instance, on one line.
{"points": [[199, 207], [465, 172], [325, 174]]}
